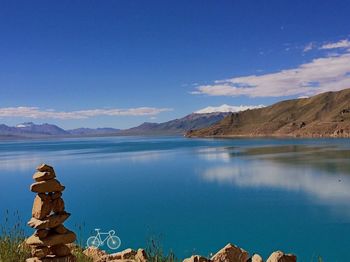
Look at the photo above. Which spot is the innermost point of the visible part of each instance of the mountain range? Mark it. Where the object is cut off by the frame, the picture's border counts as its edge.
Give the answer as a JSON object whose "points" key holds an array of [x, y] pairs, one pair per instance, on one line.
{"points": [[173, 127], [323, 115]]}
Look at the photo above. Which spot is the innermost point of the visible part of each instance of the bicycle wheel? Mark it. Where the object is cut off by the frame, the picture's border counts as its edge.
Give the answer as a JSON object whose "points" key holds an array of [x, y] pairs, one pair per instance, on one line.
{"points": [[93, 242], [114, 242]]}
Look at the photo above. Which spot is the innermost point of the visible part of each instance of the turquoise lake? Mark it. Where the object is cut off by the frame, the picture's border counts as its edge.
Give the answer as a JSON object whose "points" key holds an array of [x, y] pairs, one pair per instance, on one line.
{"points": [[195, 195]]}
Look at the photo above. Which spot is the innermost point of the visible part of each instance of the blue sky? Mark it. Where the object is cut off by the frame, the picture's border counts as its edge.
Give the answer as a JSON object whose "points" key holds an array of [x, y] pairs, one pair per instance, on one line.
{"points": [[120, 63]]}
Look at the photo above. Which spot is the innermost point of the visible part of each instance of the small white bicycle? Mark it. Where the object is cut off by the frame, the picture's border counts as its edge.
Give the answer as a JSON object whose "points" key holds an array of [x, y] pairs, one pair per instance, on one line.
{"points": [[113, 241]]}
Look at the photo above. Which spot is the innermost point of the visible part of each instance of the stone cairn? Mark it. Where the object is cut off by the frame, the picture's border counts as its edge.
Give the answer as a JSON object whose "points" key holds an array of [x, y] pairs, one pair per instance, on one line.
{"points": [[49, 241]]}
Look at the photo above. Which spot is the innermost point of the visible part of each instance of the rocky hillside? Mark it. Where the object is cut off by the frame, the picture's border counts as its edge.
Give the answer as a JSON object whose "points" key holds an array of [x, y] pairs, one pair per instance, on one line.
{"points": [[176, 126], [323, 115]]}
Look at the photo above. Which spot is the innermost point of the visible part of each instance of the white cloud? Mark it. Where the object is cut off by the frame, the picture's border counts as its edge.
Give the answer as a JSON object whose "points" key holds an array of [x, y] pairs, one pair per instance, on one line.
{"points": [[309, 47], [320, 75], [226, 108], [35, 112], [345, 43]]}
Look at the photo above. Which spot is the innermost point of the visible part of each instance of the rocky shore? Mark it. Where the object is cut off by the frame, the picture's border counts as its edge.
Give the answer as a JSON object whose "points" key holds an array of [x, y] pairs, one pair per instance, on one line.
{"points": [[230, 253]]}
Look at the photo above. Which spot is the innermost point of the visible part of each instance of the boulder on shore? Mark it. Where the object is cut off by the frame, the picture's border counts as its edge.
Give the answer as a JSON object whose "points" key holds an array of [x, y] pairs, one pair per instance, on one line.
{"points": [[129, 255], [94, 253], [279, 256], [231, 253], [255, 258], [196, 258]]}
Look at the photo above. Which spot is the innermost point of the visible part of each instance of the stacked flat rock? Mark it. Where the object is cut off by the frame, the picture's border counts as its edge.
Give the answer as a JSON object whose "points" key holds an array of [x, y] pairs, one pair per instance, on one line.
{"points": [[49, 242]]}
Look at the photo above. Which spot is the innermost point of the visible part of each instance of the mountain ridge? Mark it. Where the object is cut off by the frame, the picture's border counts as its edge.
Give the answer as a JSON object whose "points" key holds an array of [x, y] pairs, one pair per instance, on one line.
{"points": [[173, 127], [177, 126]]}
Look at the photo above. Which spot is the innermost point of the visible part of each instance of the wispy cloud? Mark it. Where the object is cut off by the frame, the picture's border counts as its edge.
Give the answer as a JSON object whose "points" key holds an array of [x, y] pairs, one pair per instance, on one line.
{"points": [[226, 108], [345, 43], [329, 73], [309, 47], [36, 112]]}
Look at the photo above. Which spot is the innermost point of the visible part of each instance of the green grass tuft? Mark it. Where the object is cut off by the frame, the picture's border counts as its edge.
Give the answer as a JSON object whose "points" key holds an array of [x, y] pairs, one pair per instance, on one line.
{"points": [[12, 248], [155, 252], [12, 245]]}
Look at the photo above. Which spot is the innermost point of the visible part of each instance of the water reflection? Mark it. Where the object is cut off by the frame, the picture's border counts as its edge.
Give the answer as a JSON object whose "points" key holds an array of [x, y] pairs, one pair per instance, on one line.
{"points": [[27, 162], [332, 159], [262, 174], [316, 170]]}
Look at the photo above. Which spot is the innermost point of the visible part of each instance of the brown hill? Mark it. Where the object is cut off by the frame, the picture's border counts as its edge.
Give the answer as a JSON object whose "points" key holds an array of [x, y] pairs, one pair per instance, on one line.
{"points": [[323, 115]]}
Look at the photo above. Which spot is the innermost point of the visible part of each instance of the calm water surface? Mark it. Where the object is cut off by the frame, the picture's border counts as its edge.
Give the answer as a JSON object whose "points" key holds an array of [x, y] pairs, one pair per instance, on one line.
{"points": [[196, 195]]}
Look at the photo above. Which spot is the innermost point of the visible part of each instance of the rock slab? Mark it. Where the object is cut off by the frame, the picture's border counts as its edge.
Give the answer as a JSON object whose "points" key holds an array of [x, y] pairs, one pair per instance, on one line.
{"points": [[51, 185], [49, 258], [41, 206], [52, 239], [43, 176], [51, 222]]}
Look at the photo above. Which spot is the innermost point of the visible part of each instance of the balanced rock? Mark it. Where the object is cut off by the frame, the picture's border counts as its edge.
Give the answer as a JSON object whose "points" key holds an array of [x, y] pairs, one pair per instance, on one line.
{"points": [[52, 239], [60, 250], [51, 221], [231, 253], [57, 205], [41, 233], [55, 195], [43, 176], [45, 168], [279, 256], [60, 229], [196, 258], [51, 185], [40, 252], [41, 206], [51, 258]]}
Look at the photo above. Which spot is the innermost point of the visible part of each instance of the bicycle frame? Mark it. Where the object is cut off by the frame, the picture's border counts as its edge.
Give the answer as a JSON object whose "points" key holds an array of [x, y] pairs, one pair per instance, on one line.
{"points": [[113, 241], [109, 234]]}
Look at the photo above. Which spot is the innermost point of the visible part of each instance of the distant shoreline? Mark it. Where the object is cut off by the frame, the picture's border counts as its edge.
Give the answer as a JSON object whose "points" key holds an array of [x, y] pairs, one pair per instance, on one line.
{"points": [[272, 136], [286, 136]]}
